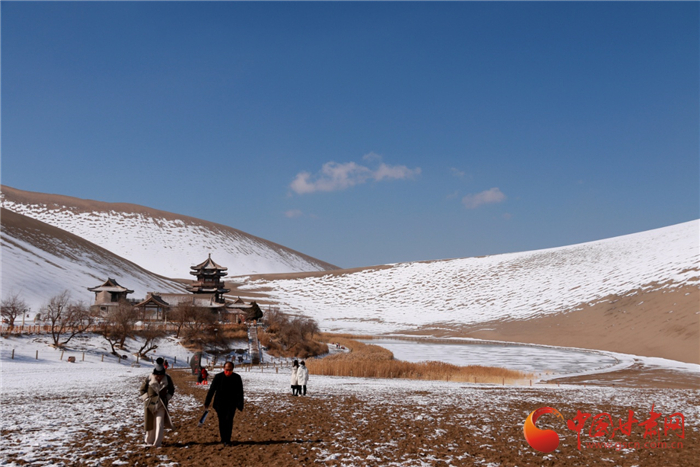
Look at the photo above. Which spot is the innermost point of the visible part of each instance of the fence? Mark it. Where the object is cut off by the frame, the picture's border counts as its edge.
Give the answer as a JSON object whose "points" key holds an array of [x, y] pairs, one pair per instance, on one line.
{"points": [[46, 328], [80, 355]]}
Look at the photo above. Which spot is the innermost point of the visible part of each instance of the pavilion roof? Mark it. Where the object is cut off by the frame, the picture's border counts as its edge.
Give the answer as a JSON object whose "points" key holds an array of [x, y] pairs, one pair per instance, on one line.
{"points": [[155, 299], [209, 264], [110, 285]]}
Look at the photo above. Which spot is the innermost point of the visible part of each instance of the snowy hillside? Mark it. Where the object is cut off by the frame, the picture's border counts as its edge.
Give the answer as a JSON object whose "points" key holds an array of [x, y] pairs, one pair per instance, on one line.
{"points": [[502, 287], [40, 261], [159, 241]]}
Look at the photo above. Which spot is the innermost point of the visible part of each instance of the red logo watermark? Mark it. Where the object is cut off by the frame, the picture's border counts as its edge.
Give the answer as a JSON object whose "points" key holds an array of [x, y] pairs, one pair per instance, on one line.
{"points": [[542, 440], [602, 425]]}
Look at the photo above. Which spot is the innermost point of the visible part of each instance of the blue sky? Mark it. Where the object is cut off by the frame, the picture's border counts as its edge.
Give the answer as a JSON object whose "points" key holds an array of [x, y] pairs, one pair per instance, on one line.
{"points": [[363, 133]]}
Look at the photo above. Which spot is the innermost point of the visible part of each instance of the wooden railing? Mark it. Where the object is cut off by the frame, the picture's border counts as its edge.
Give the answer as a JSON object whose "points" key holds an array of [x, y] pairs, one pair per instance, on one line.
{"points": [[46, 328]]}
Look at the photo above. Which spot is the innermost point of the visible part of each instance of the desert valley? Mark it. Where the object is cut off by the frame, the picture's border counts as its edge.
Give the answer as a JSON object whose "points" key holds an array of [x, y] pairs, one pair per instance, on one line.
{"points": [[602, 327]]}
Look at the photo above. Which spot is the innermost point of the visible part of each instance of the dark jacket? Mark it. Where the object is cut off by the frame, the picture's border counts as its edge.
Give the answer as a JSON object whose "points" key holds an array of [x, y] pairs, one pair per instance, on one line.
{"points": [[170, 390], [229, 393]]}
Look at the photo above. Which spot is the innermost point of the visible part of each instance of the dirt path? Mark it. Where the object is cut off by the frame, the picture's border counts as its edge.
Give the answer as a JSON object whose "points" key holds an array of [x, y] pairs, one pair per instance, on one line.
{"points": [[383, 422]]}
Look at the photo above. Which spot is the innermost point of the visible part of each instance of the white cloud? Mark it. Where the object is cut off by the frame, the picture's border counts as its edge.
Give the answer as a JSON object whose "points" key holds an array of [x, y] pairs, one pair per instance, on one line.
{"points": [[372, 156], [457, 173], [395, 172], [492, 196], [334, 176], [292, 213]]}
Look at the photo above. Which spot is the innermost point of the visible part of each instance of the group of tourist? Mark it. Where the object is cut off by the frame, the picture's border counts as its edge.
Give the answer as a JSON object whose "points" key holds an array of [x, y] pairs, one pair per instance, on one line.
{"points": [[226, 391], [299, 378]]}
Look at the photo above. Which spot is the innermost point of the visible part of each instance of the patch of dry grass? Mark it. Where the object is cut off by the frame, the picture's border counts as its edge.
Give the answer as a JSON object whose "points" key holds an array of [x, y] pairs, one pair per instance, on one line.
{"points": [[306, 348], [235, 332], [372, 361]]}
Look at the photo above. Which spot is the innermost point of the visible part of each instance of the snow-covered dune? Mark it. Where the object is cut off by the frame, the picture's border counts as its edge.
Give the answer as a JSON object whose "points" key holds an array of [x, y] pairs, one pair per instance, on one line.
{"points": [[501, 287], [40, 261], [162, 242]]}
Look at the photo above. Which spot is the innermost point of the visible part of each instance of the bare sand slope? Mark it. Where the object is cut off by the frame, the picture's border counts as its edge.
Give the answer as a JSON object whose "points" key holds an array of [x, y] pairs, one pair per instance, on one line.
{"points": [[86, 218], [659, 323], [649, 321], [53, 260]]}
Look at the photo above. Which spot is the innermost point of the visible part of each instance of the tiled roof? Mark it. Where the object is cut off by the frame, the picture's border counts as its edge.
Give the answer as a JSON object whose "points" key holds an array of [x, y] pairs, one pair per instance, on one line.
{"points": [[153, 298], [110, 285], [209, 264]]}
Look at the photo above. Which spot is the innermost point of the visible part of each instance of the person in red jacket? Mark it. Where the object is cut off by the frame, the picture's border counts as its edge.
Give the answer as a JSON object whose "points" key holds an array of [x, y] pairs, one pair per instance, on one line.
{"points": [[205, 376]]}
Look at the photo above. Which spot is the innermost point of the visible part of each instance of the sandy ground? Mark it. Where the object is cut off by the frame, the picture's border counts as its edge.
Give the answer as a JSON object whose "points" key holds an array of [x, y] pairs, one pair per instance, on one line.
{"points": [[660, 323], [377, 423], [638, 375], [650, 322]]}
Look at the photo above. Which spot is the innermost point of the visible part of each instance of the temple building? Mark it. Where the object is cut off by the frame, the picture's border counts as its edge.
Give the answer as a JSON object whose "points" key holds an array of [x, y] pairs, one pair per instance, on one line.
{"points": [[209, 281], [109, 294], [207, 292]]}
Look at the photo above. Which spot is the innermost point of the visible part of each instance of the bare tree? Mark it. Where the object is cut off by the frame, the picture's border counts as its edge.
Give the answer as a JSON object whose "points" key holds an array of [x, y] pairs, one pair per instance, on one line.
{"points": [[202, 319], [66, 318], [151, 334], [291, 334], [119, 324], [276, 320], [199, 330], [180, 315], [12, 308], [110, 332], [309, 328], [125, 316]]}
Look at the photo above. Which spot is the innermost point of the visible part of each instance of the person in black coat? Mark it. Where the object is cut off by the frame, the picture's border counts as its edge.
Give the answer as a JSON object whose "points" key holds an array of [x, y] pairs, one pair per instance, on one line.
{"points": [[227, 391]]}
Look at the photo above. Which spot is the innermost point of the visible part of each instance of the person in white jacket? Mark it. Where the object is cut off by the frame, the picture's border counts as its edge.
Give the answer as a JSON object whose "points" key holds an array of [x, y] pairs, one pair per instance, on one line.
{"points": [[156, 391], [302, 377], [295, 379]]}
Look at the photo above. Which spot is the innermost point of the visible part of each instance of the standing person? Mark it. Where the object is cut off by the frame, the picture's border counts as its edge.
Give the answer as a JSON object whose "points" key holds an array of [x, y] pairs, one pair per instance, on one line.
{"points": [[156, 391], [295, 378], [227, 390], [303, 377], [163, 363]]}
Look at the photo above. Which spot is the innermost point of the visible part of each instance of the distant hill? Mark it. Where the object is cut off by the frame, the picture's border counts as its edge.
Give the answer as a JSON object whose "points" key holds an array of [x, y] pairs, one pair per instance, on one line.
{"points": [[159, 241], [40, 261], [635, 293]]}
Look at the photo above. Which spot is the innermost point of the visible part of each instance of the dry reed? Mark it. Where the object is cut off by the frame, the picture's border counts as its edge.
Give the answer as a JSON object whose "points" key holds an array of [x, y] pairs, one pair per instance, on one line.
{"points": [[372, 361]]}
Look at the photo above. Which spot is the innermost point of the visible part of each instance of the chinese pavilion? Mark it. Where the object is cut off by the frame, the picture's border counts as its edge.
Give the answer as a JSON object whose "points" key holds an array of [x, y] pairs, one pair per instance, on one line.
{"points": [[209, 281], [109, 294]]}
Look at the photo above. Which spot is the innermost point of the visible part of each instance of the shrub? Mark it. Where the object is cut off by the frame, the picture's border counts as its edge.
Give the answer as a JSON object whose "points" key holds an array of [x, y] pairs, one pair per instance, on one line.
{"points": [[285, 337]]}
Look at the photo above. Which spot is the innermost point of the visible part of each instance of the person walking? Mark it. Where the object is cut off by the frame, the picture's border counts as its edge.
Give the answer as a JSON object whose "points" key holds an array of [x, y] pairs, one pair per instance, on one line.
{"points": [[156, 391], [302, 377], [169, 380], [294, 379], [227, 390]]}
